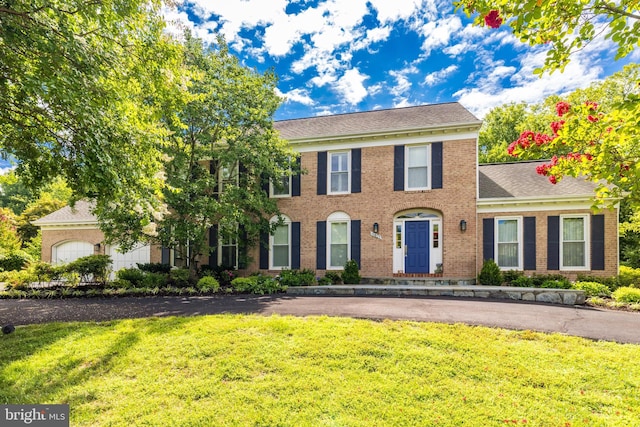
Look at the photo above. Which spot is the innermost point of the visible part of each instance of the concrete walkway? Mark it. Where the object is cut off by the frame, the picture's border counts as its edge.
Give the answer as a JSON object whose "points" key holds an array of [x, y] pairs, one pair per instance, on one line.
{"points": [[586, 322]]}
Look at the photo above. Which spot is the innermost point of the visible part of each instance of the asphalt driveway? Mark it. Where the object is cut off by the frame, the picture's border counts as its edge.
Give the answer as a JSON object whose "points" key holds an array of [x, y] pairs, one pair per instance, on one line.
{"points": [[585, 322]]}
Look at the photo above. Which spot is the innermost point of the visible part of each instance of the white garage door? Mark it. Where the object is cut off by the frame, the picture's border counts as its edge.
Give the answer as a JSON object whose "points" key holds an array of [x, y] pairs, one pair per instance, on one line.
{"points": [[70, 251], [128, 259]]}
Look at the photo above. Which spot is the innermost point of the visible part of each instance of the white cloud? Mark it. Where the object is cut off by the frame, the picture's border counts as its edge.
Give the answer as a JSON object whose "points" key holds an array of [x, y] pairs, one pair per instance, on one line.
{"points": [[391, 11], [350, 86], [6, 170], [438, 33], [300, 96], [440, 75]]}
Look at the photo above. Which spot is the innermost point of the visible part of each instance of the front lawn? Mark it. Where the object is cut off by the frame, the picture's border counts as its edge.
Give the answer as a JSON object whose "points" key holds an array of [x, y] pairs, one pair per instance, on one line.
{"points": [[317, 371]]}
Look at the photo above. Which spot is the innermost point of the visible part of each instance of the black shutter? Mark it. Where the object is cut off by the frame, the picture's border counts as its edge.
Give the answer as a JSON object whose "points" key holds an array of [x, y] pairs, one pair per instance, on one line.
{"points": [[529, 248], [264, 251], [295, 245], [242, 247], [398, 168], [264, 183], [356, 170], [597, 242], [322, 172], [165, 256], [213, 246], [355, 240], [436, 165], [321, 245], [487, 239], [553, 243], [213, 170], [295, 179]]}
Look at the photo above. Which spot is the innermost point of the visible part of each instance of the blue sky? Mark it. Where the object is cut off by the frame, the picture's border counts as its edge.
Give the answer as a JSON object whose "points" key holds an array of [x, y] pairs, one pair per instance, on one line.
{"points": [[338, 56]]}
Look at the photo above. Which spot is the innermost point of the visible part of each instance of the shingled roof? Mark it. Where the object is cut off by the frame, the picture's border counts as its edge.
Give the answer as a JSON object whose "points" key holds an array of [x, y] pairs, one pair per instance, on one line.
{"points": [[520, 180], [378, 121], [80, 213]]}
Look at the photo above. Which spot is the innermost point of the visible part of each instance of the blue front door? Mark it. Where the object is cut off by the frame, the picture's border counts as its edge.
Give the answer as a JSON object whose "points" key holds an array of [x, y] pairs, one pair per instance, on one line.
{"points": [[416, 258]]}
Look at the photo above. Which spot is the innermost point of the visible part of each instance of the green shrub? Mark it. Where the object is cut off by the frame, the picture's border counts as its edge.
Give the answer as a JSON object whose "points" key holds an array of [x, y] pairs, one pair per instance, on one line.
{"points": [[511, 276], [351, 273], [334, 277], [556, 284], [14, 260], [243, 284], [46, 272], [324, 281], [153, 280], [208, 284], [592, 289], [155, 267], [522, 282], [611, 282], [131, 275], [120, 283], [490, 274], [627, 294], [19, 280], [91, 268], [180, 276], [629, 277], [224, 274], [539, 281], [304, 277]]}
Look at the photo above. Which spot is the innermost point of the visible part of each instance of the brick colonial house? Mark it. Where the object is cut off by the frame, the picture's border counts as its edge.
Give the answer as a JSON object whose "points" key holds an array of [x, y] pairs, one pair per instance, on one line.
{"points": [[399, 191]]}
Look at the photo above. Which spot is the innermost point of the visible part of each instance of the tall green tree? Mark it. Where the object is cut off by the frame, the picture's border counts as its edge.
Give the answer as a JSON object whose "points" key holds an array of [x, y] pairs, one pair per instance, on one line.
{"points": [[222, 151], [586, 139], [500, 127], [80, 83]]}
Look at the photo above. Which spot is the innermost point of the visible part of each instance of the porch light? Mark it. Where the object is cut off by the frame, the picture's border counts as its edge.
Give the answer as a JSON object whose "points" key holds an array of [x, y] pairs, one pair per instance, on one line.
{"points": [[375, 227], [97, 247], [463, 225]]}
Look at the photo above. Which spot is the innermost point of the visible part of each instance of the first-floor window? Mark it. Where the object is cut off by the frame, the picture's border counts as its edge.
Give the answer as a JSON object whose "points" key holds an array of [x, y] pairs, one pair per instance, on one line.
{"points": [[573, 232], [228, 249], [338, 245], [280, 246], [508, 238]]}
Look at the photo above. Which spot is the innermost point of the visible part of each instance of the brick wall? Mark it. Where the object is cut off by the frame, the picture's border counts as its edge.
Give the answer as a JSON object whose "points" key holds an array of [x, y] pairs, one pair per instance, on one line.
{"points": [[610, 233], [378, 202]]}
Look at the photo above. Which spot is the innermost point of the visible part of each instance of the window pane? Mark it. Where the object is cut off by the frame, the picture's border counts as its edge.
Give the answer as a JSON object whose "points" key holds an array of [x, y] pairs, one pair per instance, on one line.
{"points": [[282, 187], [507, 230], [573, 229], [281, 256], [417, 177], [508, 254], [281, 235], [229, 258], [339, 162], [417, 156], [573, 254], [339, 181], [338, 233], [338, 255]]}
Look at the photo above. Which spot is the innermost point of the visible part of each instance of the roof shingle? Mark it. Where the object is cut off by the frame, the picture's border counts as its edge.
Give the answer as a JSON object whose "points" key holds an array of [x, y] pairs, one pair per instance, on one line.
{"points": [[81, 212]]}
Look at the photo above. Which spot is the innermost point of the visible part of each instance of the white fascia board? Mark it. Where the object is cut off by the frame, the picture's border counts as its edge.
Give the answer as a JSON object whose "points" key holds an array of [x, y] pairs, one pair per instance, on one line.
{"points": [[533, 204], [81, 225], [439, 134]]}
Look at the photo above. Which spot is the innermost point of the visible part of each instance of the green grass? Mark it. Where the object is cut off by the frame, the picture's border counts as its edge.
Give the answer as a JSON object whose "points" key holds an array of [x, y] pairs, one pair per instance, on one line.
{"points": [[232, 370]]}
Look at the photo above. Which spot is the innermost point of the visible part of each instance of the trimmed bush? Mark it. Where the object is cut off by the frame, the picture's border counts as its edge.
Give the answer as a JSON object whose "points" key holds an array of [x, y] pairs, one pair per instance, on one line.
{"points": [[611, 282], [91, 268], [243, 284], [180, 276], [334, 277], [629, 277], [14, 261], [257, 284], [155, 267], [522, 282], [490, 274], [19, 280], [592, 289], [304, 277], [153, 280], [131, 275], [556, 284], [351, 273], [539, 281], [324, 281], [46, 272], [208, 284], [627, 294], [511, 276]]}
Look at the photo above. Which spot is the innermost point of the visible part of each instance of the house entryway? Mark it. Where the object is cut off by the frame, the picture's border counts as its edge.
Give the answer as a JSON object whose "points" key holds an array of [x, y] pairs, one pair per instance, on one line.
{"points": [[417, 243]]}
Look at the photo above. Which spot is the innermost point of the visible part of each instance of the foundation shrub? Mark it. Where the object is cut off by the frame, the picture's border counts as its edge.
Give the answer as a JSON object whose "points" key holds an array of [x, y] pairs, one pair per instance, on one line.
{"points": [[304, 277], [612, 282], [351, 273], [208, 284], [490, 274], [155, 267], [522, 282], [627, 295], [180, 277], [91, 268], [132, 275], [592, 289], [629, 277], [509, 276], [334, 277]]}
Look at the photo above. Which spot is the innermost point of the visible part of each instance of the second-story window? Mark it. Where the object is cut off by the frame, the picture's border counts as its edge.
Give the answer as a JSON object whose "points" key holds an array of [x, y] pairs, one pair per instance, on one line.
{"points": [[339, 172], [417, 167], [281, 187]]}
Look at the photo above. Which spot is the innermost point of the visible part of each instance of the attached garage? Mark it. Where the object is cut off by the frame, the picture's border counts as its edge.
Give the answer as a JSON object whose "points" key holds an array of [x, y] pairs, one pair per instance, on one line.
{"points": [[139, 255], [66, 252]]}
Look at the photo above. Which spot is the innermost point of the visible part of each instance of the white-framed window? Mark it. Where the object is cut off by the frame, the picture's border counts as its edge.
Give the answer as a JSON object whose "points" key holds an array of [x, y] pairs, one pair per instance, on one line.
{"points": [[417, 167], [282, 188], [228, 247], [508, 243], [228, 176], [280, 245], [339, 172], [574, 247], [338, 240]]}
